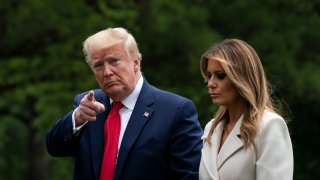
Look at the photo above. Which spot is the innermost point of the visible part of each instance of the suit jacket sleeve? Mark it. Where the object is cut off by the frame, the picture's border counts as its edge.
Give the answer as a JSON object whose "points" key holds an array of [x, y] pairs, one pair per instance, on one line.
{"points": [[60, 140], [186, 143], [274, 150]]}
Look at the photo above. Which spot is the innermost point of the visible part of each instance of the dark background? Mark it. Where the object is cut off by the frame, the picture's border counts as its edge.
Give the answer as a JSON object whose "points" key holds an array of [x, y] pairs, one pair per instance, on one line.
{"points": [[42, 65]]}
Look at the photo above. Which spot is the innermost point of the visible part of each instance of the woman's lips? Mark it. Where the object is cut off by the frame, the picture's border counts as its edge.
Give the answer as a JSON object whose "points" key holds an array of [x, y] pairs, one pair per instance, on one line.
{"points": [[213, 95]]}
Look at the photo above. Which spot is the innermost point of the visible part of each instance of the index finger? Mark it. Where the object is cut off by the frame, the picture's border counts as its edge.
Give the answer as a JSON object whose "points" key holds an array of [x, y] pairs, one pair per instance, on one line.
{"points": [[90, 96]]}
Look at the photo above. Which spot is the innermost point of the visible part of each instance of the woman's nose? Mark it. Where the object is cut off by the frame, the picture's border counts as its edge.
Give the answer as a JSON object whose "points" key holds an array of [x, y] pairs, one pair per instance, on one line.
{"points": [[212, 83]]}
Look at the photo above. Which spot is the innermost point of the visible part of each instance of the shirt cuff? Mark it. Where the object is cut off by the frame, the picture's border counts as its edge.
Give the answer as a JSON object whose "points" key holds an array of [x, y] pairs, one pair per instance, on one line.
{"points": [[76, 129]]}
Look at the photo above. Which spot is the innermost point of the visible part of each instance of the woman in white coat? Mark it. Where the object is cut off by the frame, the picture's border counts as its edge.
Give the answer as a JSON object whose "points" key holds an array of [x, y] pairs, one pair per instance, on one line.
{"points": [[247, 139]]}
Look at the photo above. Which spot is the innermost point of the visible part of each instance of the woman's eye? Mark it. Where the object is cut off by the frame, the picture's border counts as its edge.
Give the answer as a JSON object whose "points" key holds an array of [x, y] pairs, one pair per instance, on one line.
{"points": [[221, 75], [209, 75]]}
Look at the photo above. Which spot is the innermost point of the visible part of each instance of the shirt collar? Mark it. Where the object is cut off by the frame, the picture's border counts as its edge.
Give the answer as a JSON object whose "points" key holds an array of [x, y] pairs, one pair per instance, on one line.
{"points": [[130, 101]]}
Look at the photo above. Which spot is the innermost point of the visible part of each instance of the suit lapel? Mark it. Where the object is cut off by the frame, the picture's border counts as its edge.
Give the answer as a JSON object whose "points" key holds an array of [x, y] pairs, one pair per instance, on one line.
{"points": [[231, 145], [140, 115], [97, 135], [210, 151]]}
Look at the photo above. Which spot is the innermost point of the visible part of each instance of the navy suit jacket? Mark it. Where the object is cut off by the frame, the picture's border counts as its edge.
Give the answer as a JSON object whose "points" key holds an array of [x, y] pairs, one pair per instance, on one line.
{"points": [[165, 144]]}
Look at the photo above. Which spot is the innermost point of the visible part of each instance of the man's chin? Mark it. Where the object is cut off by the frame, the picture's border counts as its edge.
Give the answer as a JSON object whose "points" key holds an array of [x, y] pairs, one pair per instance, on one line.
{"points": [[113, 91]]}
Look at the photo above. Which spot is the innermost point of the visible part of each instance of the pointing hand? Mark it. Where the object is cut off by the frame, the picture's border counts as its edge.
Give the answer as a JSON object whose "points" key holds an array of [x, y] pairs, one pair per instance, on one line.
{"points": [[88, 109]]}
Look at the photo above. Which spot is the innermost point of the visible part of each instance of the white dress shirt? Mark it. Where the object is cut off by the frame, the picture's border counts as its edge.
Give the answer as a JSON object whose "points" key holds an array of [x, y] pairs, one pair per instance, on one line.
{"points": [[128, 105]]}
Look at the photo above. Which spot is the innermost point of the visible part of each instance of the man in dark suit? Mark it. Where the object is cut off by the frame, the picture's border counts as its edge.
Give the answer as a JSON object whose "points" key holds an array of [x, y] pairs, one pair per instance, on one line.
{"points": [[158, 135]]}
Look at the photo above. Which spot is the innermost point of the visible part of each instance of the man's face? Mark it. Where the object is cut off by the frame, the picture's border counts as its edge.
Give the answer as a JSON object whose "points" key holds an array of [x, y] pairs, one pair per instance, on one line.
{"points": [[115, 72]]}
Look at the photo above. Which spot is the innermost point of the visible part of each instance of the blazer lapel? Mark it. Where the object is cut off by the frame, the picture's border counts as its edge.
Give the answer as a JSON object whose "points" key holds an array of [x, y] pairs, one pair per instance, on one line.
{"points": [[231, 145], [97, 136], [140, 115], [210, 151]]}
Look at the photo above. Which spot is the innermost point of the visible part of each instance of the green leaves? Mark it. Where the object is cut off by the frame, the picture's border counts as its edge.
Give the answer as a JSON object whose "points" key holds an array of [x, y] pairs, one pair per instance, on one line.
{"points": [[42, 63]]}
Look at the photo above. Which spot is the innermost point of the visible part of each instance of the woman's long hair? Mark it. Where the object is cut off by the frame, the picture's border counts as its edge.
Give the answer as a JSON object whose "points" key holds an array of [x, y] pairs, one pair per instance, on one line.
{"points": [[243, 67]]}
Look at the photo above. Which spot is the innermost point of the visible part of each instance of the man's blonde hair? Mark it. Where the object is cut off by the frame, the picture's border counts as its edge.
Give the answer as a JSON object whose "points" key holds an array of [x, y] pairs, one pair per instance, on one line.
{"points": [[108, 37]]}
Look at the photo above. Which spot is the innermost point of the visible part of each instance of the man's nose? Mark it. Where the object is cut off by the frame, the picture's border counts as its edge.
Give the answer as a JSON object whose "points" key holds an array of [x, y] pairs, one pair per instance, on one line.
{"points": [[107, 70]]}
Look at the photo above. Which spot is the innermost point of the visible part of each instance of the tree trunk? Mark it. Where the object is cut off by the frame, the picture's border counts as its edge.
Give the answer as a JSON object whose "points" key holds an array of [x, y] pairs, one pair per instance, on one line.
{"points": [[38, 161]]}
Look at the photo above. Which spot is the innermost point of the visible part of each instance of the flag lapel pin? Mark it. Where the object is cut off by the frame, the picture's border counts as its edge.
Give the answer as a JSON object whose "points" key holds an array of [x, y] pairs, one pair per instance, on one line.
{"points": [[146, 114]]}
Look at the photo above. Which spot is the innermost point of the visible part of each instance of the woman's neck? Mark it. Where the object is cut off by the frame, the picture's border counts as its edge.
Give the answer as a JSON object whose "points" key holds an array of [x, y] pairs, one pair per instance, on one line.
{"points": [[235, 111]]}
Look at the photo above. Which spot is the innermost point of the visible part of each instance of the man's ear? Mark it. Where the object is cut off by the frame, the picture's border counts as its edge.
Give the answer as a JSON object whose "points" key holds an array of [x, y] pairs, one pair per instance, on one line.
{"points": [[136, 65]]}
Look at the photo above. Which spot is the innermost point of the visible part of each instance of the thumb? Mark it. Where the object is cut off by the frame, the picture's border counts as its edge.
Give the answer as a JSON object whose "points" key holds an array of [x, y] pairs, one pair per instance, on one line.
{"points": [[90, 96]]}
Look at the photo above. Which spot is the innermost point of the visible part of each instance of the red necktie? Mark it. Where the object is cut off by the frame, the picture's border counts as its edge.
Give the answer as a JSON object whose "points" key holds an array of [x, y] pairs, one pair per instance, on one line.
{"points": [[111, 138]]}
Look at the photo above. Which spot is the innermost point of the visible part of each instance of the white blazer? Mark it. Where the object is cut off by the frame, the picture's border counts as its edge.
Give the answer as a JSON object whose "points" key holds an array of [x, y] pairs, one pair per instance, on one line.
{"points": [[273, 159]]}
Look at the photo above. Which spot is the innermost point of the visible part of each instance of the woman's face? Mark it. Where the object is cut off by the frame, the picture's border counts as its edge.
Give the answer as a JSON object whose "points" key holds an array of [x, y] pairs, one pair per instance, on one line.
{"points": [[221, 89]]}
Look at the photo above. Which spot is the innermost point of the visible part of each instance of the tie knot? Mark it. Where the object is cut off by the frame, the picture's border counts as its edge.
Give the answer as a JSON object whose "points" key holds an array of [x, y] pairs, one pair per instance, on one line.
{"points": [[117, 105]]}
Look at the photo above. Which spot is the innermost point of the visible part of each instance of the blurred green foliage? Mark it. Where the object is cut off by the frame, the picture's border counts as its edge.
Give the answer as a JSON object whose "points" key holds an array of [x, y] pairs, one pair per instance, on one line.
{"points": [[42, 65]]}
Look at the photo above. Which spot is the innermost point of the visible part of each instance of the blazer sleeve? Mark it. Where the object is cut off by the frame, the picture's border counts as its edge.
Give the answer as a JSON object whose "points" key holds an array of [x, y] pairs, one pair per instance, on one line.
{"points": [[274, 149], [60, 139], [186, 143]]}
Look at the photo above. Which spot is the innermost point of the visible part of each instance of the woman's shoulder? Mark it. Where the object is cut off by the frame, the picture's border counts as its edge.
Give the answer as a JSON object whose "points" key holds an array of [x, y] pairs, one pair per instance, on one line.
{"points": [[209, 124], [207, 128], [269, 116], [271, 121]]}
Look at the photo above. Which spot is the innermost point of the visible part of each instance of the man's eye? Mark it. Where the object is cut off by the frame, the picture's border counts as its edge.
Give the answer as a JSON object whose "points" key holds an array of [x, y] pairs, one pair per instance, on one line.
{"points": [[221, 75], [114, 61], [97, 66]]}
